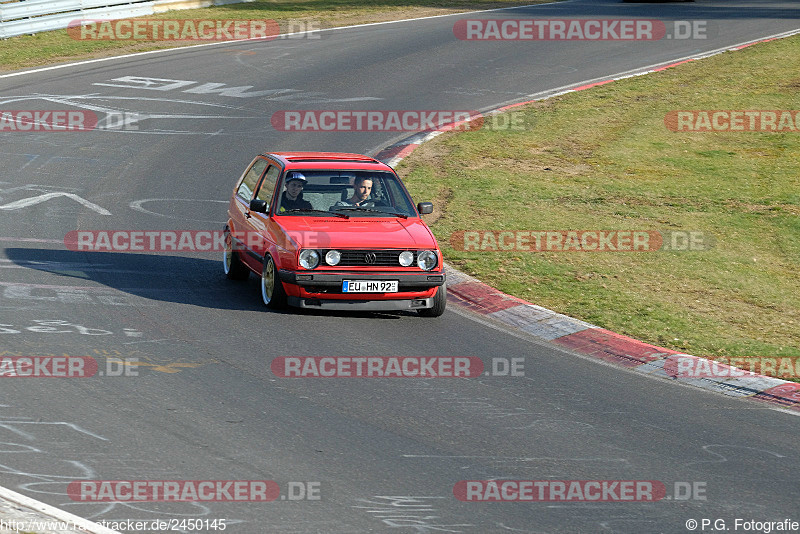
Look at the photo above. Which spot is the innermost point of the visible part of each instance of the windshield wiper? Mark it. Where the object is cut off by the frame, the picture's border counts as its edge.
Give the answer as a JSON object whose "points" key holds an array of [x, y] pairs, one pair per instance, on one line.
{"points": [[359, 208], [333, 213]]}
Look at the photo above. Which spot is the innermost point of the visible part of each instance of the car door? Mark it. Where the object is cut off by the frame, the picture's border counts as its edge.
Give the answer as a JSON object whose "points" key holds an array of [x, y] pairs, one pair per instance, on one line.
{"points": [[239, 211], [264, 229]]}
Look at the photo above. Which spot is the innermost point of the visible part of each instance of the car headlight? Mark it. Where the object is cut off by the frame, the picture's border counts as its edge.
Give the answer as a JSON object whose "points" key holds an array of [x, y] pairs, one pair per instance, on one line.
{"points": [[333, 257], [406, 258], [309, 259], [426, 260]]}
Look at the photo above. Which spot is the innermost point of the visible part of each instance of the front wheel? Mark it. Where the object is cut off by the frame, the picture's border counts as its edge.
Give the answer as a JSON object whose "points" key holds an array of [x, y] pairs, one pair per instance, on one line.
{"points": [[439, 303], [272, 292]]}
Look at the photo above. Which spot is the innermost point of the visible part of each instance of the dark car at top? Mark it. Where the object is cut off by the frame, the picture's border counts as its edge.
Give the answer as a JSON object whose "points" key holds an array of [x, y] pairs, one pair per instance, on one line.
{"points": [[325, 252]]}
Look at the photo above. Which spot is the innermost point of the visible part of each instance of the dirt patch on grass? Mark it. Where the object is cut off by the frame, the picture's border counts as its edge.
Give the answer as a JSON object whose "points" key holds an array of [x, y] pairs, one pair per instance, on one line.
{"points": [[793, 84], [764, 209]]}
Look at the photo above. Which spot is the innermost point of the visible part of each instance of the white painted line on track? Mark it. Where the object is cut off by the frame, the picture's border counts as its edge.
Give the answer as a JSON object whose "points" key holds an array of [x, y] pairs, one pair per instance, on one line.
{"points": [[32, 201]]}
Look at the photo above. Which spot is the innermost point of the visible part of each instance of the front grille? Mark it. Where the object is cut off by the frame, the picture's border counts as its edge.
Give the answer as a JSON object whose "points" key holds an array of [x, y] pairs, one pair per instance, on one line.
{"points": [[358, 258]]}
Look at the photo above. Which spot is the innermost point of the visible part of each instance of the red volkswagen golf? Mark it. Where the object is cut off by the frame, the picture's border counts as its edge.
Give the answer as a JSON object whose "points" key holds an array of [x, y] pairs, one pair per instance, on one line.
{"points": [[335, 231]]}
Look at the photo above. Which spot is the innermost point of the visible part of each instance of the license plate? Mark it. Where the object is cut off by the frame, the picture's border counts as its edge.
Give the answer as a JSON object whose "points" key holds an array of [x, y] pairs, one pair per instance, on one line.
{"points": [[369, 286]]}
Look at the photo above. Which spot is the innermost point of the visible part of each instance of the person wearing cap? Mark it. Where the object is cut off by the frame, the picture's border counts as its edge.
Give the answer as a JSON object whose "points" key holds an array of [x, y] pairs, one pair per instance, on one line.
{"points": [[292, 198]]}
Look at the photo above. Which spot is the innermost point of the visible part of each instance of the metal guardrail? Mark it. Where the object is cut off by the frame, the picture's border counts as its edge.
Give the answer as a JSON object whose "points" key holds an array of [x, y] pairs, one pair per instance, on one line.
{"points": [[34, 8], [32, 16]]}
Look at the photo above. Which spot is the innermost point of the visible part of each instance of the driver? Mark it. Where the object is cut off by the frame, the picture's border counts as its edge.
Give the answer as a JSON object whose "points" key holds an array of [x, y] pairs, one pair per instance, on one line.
{"points": [[362, 188], [292, 198]]}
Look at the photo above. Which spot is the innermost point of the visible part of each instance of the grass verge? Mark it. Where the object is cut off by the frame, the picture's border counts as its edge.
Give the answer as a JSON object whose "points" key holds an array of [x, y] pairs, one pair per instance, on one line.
{"points": [[603, 159], [57, 46]]}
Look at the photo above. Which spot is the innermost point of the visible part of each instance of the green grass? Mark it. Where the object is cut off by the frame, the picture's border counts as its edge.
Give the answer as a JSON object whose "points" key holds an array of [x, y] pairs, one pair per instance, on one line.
{"points": [[603, 159], [57, 46]]}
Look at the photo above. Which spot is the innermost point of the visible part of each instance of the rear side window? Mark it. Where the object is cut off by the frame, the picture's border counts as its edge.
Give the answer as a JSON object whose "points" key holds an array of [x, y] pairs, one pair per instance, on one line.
{"points": [[251, 179]]}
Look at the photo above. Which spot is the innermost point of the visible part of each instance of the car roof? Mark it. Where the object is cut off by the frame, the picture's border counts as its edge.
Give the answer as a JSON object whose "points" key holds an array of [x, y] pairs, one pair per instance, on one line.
{"points": [[328, 161]]}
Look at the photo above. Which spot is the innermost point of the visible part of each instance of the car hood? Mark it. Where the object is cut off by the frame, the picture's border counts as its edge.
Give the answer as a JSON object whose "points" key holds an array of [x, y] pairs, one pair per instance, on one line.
{"points": [[358, 232]]}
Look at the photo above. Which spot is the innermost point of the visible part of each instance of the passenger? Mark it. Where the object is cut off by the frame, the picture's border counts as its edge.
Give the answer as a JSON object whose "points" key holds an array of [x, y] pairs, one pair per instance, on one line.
{"points": [[292, 198]]}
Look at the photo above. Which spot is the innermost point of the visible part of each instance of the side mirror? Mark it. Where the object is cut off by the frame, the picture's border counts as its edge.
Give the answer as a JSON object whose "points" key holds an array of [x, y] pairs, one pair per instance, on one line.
{"points": [[425, 208], [259, 206]]}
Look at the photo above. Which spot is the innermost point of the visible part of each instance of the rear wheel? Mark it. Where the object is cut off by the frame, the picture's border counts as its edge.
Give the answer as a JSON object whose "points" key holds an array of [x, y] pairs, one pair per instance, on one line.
{"points": [[439, 303], [272, 292], [231, 264]]}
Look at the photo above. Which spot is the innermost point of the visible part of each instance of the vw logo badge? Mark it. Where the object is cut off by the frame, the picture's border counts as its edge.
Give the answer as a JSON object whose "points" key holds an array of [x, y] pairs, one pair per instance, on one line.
{"points": [[370, 258]]}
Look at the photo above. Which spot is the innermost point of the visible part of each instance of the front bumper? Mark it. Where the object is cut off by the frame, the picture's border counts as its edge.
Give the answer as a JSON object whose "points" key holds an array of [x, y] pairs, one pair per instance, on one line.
{"points": [[333, 280], [323, 290]]}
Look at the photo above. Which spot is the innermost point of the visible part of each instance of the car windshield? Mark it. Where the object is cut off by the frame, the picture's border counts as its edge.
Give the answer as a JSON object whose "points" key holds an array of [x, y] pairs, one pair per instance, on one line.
{"points": [[349, 193]]}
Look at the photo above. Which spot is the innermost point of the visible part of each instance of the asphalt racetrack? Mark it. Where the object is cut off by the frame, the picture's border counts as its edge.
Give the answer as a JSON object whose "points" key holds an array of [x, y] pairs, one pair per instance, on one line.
{"points": [[375, 455]]}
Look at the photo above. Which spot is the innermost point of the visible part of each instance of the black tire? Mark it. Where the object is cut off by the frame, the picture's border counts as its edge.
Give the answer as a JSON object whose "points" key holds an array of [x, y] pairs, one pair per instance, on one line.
{"points": [[439, 303], [232, 265], [272, 292]]}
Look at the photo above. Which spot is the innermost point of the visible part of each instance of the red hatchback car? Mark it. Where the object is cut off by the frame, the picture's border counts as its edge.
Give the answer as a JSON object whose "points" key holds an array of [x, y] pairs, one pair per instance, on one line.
{"points": [[328, 230]]}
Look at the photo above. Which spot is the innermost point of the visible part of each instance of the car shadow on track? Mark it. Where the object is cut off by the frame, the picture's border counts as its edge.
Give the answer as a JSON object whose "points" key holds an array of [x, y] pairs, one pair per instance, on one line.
{"points": [[166, 278], [155, 277]]}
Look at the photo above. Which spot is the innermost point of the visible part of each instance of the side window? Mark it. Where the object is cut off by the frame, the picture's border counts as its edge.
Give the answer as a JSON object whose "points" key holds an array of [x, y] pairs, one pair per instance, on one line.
{"points": [[396, 196], [268, 185], [251, 178]]}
